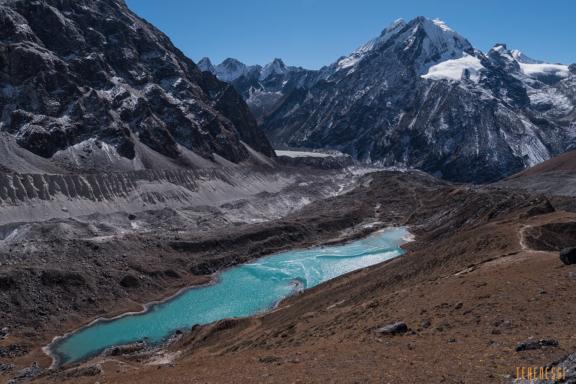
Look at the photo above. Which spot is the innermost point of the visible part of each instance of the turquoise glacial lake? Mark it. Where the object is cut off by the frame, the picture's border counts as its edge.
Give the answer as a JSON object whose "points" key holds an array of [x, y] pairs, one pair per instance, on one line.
{"points": [[240, 291]]}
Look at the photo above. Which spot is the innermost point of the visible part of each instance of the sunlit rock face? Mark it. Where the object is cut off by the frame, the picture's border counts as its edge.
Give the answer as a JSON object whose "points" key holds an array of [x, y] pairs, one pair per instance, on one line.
{"points": [[89, 76]]}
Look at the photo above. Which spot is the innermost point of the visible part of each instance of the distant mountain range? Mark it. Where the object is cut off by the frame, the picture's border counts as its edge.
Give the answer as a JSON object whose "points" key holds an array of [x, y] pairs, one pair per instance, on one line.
{"points": [[419, 95], [263, 87], [88, 85]]}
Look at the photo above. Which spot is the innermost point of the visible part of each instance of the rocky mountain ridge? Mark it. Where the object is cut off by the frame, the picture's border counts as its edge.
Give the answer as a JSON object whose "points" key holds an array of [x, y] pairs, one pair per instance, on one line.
{"points": [[262, 87], [421, 96], [88, 85]]}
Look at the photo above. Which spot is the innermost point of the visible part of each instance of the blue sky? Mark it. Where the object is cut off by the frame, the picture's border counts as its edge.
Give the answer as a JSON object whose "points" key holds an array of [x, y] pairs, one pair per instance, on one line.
{"points": [[313, 33]]}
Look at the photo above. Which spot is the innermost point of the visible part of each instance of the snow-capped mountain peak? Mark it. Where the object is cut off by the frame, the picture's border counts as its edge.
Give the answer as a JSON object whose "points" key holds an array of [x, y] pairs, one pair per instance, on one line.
{"points": [[395, 25], [205, 65], [231, 69], [500, 56], [357, 56], [515, 60], [276, 67], [501, 50], [424, 41], [434, 42]]}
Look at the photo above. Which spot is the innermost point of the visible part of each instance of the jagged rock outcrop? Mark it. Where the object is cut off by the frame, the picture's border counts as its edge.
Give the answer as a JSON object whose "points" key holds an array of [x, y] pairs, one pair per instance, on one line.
{"points": [[87, 83]]}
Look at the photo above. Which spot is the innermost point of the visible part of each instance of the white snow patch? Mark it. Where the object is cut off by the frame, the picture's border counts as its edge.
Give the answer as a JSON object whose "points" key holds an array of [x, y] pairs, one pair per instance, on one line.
{"points": [[441, 42], [454, 69], [442, 25], [559, 70], [349, 61], [294, 154]]}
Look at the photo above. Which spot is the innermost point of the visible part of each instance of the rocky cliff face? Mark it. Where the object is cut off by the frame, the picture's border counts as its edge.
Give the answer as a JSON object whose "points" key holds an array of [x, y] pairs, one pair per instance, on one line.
{"points": [[420, 95], [89, 85]]}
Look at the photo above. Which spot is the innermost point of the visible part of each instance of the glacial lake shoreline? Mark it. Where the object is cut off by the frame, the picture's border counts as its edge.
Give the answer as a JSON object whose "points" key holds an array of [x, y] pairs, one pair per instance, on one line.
{"points": [[400, 236]]}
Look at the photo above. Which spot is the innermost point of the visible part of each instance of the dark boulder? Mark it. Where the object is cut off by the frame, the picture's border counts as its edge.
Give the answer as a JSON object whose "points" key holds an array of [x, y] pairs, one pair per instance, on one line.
{"points": [[6, 368], [63, 278], [568, 256], [171, 273], [536, 344], [3, 332], [392, 329], [7, 283], [269, 359], [27, 373], [551, 237], [130, 281]]}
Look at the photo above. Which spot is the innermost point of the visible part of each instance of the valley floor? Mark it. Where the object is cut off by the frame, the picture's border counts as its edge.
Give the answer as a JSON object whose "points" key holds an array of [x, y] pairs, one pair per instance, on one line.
{"points": [[476, 320], [482, 276]]}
